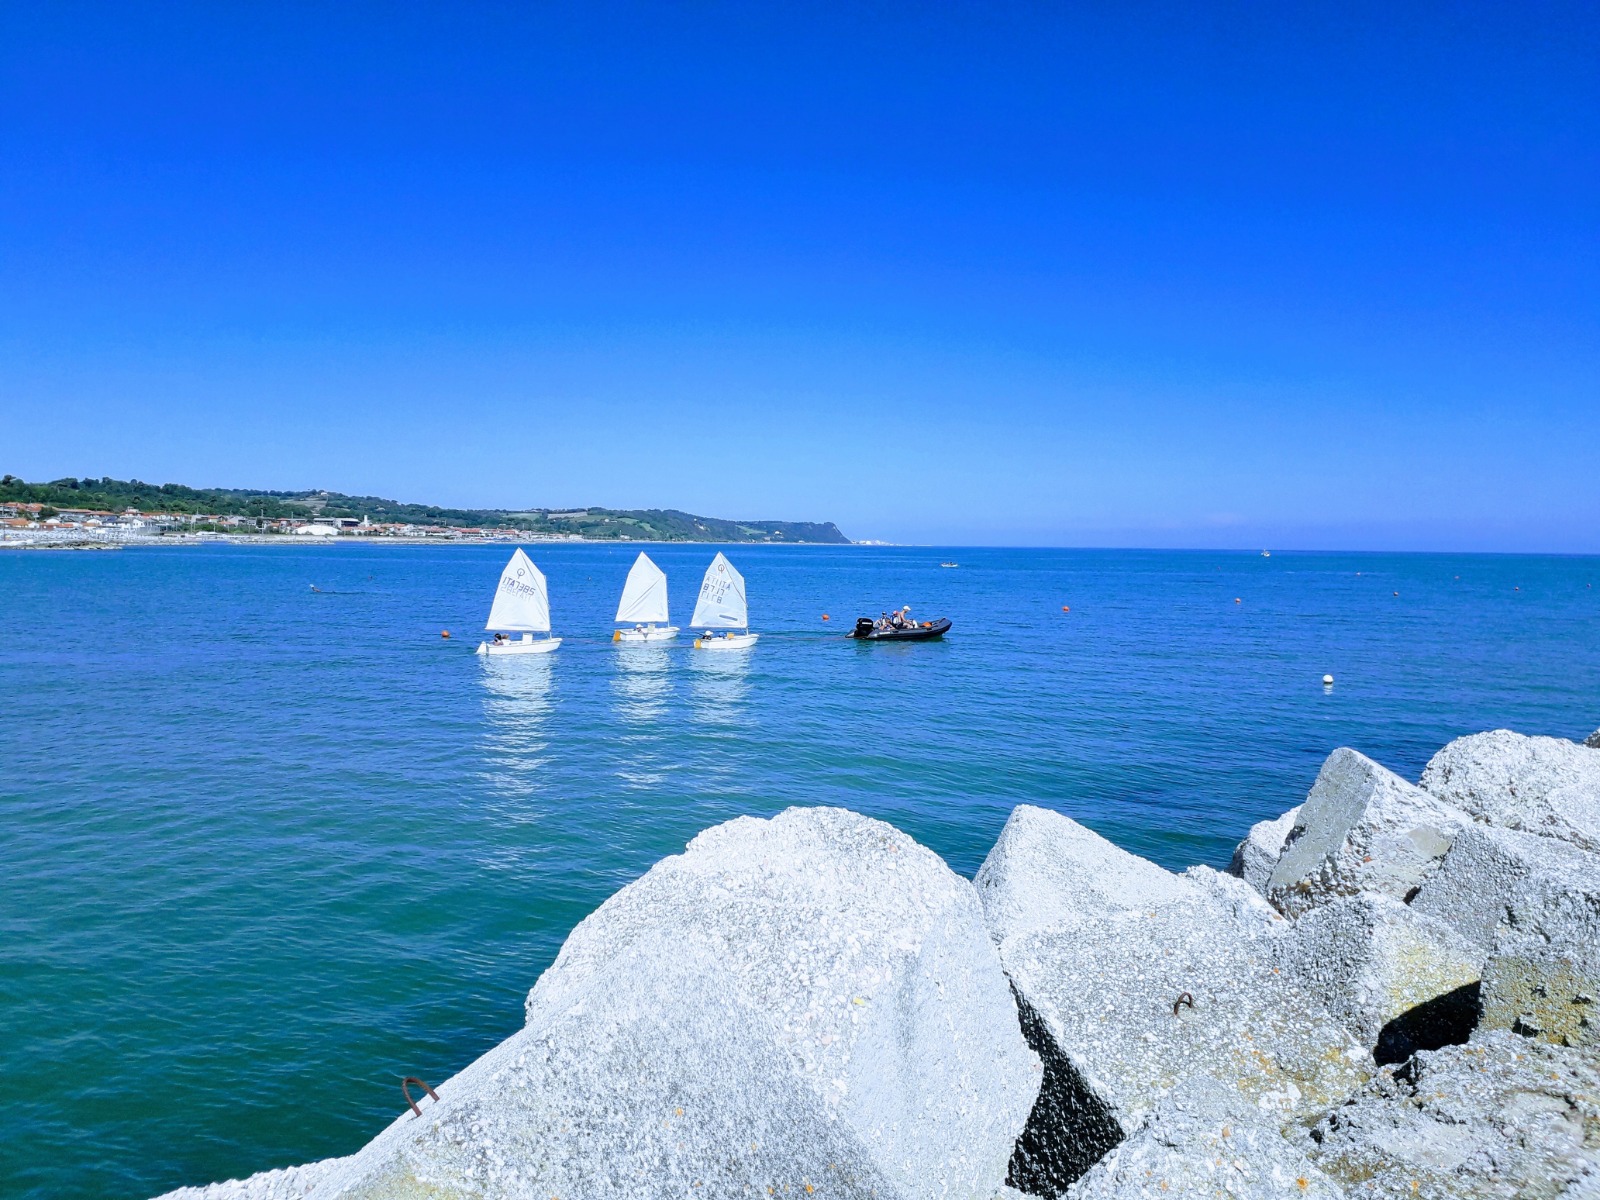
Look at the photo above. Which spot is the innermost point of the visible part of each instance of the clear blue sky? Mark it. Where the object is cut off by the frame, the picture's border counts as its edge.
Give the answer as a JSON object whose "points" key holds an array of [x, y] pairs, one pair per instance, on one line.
{"points": [[1186, 274]]}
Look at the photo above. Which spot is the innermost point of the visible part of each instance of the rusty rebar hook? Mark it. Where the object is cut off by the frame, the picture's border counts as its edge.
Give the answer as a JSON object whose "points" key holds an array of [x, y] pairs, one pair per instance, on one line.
{"points": [[1183, 998], [410, 1079]]}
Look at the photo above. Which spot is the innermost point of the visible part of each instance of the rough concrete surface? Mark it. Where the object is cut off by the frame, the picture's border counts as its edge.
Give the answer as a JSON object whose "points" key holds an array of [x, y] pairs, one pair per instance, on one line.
{"points": [[806, 1003], [1251, 913], [290, 1183], [1361, 829], [1199, 1142], [1256, 856], [1496, 878], [1128, 995], [1047, 869], [1542, 785], [1398, 980], [1496, 1119]]}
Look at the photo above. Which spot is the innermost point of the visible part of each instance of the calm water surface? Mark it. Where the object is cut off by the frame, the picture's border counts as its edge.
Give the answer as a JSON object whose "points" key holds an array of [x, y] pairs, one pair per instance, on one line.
{"points": [[265, 850]]}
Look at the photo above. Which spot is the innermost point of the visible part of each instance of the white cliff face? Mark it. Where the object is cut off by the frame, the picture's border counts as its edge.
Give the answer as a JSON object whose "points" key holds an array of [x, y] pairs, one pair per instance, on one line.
{"points": [[1541, 785], [810, 1002], [1362, 828]]}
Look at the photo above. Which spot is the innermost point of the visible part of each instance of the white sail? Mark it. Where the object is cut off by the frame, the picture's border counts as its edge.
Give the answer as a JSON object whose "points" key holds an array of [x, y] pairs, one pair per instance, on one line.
{"points": [[522, 601], [721, 604], [644, 596]]}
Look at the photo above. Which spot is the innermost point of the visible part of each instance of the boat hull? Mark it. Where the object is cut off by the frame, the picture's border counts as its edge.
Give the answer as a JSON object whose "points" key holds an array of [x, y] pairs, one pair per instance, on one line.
{"points": [[928, 633], [732, 641], [525, 646], [650, 633]]}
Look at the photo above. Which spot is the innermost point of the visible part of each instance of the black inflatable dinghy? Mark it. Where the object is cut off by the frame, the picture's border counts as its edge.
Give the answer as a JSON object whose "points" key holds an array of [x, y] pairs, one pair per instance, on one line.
{"points": [[868, 632]]}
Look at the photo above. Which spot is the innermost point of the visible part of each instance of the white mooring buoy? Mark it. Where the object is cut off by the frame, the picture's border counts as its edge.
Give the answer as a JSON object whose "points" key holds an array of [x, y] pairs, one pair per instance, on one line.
{"points": [[1327, 681]]}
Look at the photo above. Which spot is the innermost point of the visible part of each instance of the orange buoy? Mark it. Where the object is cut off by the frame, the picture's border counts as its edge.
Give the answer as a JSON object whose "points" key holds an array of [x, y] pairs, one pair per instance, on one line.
{"points": [[444, 633], [1066, 608], [824, 616]]}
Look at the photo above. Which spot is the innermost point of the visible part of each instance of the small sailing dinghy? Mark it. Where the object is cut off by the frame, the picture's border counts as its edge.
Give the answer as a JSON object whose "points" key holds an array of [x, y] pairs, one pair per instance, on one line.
{"points": [[644, 602], [722, 606], [521, 605]]}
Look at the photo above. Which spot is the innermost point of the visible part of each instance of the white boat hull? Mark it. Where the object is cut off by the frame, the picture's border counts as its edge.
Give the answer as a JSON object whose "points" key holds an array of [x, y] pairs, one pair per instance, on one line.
{"points": [[650, 633], [730, 641], [526, 645]]}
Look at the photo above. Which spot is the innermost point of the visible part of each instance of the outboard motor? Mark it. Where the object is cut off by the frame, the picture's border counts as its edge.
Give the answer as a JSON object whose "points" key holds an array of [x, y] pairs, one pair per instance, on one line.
{"points": [[863, 627]]}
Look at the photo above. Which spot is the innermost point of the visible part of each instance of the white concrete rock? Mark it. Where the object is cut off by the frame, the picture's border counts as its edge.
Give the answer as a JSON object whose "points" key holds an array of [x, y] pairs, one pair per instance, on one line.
{"points": [[1531, 907], [1399, 980], [1256, 856], [1361, 829], [1499, 1118], [1199, 1143], [290, 1183], [1493, 877], [1047, 870], [810, 1002], [1127, 995], [1542, 785], [1250, 911]]}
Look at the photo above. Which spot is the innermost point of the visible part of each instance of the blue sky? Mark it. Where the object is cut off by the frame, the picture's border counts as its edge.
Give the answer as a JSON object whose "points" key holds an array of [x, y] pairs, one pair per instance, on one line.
{"points": [[1117, 274]]}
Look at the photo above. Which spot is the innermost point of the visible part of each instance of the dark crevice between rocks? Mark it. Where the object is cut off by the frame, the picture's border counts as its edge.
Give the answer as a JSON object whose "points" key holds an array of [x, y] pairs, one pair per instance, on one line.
{"points": [[1070, 1128], [1446, 1020]]}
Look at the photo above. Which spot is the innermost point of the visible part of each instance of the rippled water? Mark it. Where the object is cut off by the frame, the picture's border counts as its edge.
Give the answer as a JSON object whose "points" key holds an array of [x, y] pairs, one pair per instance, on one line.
{"points": [[264, 850]]}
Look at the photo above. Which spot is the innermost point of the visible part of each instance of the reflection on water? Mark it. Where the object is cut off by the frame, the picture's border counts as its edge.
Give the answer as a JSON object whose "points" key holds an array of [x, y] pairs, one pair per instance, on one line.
{"points": [[642, 684], [719, 686], [517, 703]]}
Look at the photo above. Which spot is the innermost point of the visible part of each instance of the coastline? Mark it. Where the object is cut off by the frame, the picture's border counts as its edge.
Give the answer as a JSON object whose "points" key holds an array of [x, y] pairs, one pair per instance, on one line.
{"points": [[1384, 995]]}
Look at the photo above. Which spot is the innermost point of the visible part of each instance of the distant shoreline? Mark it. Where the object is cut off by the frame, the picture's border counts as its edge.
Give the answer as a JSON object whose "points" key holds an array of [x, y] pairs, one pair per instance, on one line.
{"points": [[289, 539]]}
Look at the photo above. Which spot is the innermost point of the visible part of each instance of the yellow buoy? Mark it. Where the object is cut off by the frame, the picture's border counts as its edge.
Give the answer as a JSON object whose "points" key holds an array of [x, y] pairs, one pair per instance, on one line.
{"points": [[616, 635]]}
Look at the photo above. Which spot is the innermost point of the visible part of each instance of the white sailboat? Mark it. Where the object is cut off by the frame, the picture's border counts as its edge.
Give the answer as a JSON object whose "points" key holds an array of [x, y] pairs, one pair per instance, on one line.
{"points": [[521, 605], [722, 605], [644, 603]]}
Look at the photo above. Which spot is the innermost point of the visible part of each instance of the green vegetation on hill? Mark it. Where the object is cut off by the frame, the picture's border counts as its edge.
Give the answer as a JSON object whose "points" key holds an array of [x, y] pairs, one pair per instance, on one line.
{"points": [[649, 524]]}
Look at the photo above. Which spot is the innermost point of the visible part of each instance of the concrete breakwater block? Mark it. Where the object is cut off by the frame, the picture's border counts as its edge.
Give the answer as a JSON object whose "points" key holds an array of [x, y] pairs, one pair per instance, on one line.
{"points": [[808, 1003], [1531, 908], [289, 1183], [1126, 995], [1201, 1141], [1398, 980], [1255, 857], [1361, 829], [1542, 785], [1499, 1118]]}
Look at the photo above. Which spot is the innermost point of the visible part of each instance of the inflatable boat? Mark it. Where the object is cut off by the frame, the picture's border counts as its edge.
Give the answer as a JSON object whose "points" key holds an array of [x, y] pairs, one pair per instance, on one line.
{"points": [[922, 631]]}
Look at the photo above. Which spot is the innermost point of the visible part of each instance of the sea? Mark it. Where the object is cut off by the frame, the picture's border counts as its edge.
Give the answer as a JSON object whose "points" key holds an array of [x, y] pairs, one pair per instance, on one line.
{"points": [[270, 842]]}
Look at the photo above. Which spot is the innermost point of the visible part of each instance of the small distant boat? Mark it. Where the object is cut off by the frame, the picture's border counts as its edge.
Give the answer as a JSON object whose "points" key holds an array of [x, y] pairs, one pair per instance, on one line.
{"points": [[949, 564], [521, 605], [867, 630], [644, 603], [1266, 554], [722, 605]]}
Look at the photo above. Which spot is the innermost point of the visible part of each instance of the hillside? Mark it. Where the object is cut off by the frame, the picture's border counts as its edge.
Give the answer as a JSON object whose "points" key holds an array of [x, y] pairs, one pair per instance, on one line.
{"points": [[649, 524]]}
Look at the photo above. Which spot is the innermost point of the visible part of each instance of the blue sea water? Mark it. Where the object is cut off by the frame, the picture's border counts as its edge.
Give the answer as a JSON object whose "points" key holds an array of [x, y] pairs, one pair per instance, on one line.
{"points": [[265, 850]]}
